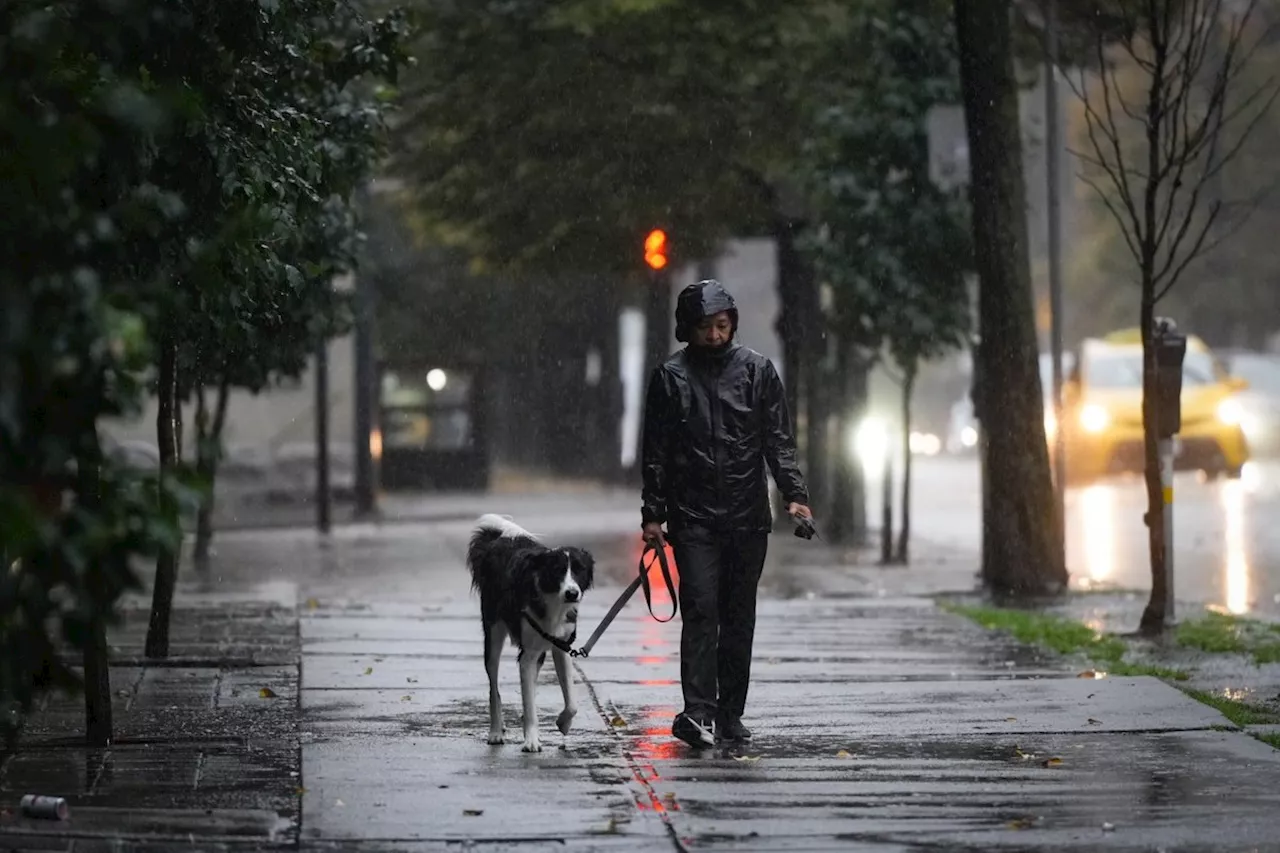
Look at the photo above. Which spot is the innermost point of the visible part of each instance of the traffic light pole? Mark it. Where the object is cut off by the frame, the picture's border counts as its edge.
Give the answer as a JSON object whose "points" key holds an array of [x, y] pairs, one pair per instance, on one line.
{"points": [[657, 322]]}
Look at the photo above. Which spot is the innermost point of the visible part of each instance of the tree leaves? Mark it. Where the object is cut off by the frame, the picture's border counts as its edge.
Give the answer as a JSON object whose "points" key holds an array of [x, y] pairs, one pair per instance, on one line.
{"points": [[184, 168], [892, 245]]}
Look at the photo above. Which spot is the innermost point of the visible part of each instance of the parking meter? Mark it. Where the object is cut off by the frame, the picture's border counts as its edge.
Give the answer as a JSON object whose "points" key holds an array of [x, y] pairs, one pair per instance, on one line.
{"points": [[1171, 349]]}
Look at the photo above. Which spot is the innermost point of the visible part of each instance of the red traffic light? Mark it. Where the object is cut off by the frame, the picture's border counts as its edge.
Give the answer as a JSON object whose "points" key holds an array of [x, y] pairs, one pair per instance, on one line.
{"points": [[655, 249]]}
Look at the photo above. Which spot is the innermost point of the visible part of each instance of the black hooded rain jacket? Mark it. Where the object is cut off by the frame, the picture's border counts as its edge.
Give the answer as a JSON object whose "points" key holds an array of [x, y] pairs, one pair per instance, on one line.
{"points": [[714, 421]]}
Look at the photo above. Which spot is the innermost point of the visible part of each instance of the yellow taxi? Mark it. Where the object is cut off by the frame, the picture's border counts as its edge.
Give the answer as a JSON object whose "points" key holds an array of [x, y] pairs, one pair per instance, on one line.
{"points": [[1102, 411]]}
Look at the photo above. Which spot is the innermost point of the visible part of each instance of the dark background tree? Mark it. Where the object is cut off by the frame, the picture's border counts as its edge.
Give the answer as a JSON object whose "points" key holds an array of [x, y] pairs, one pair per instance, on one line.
{"points": [[891, 244]]}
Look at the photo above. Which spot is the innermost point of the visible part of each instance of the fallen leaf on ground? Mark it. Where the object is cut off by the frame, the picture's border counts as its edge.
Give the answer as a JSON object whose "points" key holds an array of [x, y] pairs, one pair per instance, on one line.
{"points": [[1023, 755], [412, 680], [1011, 719], [312, 604], [1088, 673], [617, 722], [1094, 722], [406, 698], [1021, 823], [1051, 762], [266, 693], [368, 670], [301, 791], [746, 758], [473, 812], [844, 753]]}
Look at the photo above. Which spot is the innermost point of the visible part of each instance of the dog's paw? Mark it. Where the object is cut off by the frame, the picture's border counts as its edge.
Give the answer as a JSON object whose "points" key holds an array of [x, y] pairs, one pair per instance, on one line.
{"points": [[565, 720], [532, 744], [497, 738]]}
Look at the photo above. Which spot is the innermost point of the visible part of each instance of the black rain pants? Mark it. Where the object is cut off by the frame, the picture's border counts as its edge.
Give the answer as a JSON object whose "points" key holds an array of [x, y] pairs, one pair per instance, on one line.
{"points": [[719, 575]]}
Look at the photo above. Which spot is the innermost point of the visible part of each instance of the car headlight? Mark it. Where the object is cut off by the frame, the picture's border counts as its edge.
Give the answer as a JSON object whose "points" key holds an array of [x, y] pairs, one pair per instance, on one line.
{"points": [[1230, 412], [1094, 418], [925, 444]]}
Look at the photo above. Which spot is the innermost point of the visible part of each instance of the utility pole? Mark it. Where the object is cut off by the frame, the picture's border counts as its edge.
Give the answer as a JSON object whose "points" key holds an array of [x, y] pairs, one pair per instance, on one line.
{"points": [[323, 497], [1053, 167], [366, 382]]}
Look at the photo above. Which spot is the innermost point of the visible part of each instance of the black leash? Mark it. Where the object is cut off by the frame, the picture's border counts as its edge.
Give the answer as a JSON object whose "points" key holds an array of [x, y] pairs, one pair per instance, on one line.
{"points": [[642, 580]]}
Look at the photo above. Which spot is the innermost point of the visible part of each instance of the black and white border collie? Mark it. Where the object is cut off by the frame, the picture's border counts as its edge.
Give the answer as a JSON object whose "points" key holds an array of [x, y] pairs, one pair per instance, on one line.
{"points": [[526, 590]]}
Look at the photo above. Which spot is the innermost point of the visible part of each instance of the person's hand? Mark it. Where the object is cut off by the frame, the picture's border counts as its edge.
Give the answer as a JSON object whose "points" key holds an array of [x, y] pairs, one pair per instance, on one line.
{"points": [[652, 531], [799, 510]]}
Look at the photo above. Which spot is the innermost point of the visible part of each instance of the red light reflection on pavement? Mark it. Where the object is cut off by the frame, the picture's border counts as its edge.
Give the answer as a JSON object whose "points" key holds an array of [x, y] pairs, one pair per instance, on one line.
{"points": [[655, 741]]}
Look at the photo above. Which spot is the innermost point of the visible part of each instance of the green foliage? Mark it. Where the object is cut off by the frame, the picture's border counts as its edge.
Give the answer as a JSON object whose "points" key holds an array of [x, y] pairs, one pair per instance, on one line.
{"points": [[551, 136], [168, 171], [893, 245], [80, 126], [290, 130]]}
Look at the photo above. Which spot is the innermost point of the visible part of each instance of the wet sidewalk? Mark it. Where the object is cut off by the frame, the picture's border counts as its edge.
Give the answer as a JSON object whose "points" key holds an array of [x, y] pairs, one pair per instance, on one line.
{"points": [[880, 723], [205, 744], [330, 695]]}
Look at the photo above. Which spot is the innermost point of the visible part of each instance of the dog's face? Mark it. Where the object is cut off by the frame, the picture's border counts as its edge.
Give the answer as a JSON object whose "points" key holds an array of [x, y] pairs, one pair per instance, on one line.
{"points": [[562, 574]]}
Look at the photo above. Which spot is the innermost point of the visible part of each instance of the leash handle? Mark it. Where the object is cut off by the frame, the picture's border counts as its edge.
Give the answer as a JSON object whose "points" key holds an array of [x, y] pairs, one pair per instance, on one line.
{"points": [[660, 554], [642, 580]]}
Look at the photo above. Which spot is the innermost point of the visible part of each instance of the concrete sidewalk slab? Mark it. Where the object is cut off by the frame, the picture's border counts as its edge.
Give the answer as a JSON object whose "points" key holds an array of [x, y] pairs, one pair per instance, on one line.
{"points": [[881, 724]]}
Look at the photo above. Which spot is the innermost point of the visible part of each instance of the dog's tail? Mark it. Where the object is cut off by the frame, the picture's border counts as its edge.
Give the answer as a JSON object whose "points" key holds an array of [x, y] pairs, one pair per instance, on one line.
{"points": [[489, 529]]}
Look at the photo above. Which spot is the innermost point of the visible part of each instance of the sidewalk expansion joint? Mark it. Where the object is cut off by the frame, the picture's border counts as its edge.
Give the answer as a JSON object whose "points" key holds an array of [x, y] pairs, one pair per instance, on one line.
{"points": [[648, 799]]}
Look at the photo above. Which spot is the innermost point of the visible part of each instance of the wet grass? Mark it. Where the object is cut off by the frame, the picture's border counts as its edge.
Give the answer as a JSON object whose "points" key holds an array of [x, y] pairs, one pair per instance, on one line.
{"points": [[1221, 633], [1241, 713], [1213, 633], [1064, 636]]}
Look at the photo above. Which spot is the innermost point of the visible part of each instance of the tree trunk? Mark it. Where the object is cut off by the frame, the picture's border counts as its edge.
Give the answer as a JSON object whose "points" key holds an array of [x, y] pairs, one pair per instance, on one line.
{"points": [[208, 455], [169, 440], [1153, 621], [98, 724], [904, 524], [848, 524], [1019, 525]]}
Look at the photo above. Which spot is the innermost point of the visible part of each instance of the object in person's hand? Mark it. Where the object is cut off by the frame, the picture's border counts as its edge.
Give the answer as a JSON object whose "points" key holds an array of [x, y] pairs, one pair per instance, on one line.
{"points": [[804, 527], [45, 808]]}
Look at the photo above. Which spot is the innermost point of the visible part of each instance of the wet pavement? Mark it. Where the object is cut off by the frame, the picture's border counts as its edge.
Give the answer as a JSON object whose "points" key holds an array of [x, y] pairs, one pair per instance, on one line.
{"points": [[881, 722]]}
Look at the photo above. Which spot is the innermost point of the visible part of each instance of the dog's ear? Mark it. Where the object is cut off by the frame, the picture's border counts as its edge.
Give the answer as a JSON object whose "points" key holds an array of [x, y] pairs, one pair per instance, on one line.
{"points": [[584, 567], [524, 571]]}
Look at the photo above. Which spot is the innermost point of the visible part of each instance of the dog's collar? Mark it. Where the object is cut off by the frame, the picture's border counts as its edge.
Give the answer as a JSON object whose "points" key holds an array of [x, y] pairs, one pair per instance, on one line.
{"points": [[565, 646]]}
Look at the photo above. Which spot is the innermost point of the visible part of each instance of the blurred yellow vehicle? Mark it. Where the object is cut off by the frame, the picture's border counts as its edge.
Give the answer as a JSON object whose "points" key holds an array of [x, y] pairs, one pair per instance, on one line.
{"points": [[1102, 411]]}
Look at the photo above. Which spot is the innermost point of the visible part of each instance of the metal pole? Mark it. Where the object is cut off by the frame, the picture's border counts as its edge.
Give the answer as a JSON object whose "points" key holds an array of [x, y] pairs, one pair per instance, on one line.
{"points": [[1166, 481], [886, 508], [1053, 199], [366, 496], [323, 521]]}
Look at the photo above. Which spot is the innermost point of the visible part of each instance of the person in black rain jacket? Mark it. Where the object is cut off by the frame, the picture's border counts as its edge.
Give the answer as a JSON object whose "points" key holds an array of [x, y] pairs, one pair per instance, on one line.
{"points": [[715, 418]]}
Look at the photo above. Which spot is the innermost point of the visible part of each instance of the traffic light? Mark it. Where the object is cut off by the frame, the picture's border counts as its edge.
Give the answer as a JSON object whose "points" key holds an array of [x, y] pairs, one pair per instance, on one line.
{"points": [[655, 249]]}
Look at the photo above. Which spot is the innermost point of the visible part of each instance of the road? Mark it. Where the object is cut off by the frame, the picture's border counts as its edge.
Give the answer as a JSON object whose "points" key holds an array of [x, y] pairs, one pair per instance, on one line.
{"points": [[1227, 544]]}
